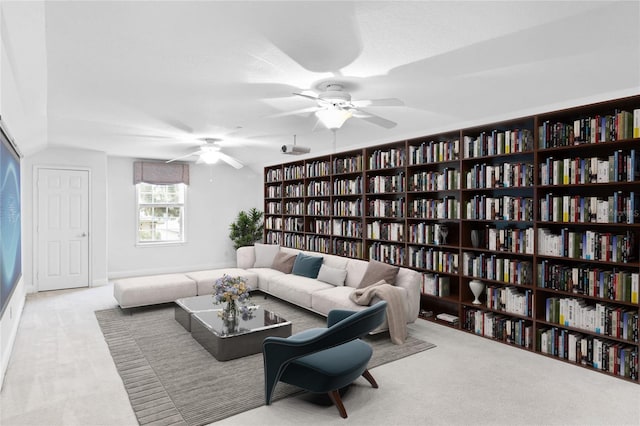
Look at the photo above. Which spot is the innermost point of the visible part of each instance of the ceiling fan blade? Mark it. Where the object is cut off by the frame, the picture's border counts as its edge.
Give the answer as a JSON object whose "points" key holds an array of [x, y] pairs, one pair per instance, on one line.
{"points": [[307, 96], [377, 102], [184, 156], [298, 111], [230, 160], [375, 119]]}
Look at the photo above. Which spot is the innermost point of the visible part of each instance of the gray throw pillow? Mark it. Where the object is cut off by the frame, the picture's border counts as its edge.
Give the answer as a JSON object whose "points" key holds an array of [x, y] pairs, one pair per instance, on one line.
{"points": [[377, 271], [331, 275], [265, 253], [284, 262]]}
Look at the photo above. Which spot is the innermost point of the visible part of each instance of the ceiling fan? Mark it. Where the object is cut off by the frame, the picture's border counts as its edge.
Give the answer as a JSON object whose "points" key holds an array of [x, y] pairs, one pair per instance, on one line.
{"points": [[210, 153], [335, 107]]}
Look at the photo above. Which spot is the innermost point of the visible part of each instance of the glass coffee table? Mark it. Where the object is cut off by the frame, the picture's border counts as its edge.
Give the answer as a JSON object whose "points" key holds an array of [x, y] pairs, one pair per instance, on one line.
{"points": [[224, 339]]}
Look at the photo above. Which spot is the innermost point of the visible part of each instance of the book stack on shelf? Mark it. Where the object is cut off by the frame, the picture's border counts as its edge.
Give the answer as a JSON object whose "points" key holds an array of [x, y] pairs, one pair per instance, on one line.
{"points": [[539, 214]]}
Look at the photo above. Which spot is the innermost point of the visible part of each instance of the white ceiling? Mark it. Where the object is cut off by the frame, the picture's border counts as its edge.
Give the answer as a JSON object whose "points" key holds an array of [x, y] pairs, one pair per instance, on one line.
{"points": [[150, 79]]}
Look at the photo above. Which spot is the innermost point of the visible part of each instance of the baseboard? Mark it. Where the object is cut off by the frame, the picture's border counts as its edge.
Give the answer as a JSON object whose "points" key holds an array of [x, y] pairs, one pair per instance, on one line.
{"points": [[7, 350]]}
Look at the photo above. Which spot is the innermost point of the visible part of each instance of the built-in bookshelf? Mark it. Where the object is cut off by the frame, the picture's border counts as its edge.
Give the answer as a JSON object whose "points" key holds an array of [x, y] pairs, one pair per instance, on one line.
{"points": [[543, 211]]}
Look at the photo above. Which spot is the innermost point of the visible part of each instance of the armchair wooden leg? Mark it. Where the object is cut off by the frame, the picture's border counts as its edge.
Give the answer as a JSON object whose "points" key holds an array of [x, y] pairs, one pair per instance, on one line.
{"points": [[370, 379], [334, 395]]}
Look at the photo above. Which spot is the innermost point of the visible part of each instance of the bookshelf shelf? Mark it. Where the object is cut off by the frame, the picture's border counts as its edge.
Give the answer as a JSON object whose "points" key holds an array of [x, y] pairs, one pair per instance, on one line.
{"points": [[497, 203]]}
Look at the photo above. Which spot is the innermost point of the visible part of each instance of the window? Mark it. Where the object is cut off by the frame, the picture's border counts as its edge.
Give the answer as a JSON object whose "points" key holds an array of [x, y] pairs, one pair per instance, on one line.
{"points": [[160, 213]]}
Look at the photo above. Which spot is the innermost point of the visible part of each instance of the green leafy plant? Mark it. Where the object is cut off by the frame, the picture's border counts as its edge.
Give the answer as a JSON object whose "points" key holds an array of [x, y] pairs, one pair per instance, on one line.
{"points": [[247, 228]]}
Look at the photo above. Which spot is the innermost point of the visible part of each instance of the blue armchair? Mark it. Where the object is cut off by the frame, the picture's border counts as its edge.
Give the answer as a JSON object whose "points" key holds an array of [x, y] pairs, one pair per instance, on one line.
{"points": [[324, 360]]}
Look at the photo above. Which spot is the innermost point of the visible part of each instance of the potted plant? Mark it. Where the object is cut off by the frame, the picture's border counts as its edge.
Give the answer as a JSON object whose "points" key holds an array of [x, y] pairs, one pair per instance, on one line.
{"points": [[247, 228]]}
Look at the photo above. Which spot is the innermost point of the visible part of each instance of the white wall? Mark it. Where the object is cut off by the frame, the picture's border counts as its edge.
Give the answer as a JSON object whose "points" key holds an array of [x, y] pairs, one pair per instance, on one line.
{"points": [[214, 197]]}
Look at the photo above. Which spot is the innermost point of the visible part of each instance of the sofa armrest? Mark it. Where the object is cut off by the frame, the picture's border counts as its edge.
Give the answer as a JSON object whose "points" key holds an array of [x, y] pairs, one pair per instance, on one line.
{"points": [[245, 257], [410, 281]]}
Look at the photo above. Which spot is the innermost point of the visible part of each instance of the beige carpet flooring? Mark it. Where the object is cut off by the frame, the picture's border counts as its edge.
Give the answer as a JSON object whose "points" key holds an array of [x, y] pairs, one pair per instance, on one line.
{"points": [[61, 373]]}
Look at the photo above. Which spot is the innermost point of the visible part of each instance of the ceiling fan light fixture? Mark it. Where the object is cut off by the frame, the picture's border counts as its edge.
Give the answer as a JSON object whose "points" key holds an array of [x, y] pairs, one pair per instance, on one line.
{"points": [[333, 118], [210, 157]]}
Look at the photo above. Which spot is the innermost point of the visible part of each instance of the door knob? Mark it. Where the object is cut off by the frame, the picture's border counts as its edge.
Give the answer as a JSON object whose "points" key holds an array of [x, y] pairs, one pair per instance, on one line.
{"points": [[84, 234]]}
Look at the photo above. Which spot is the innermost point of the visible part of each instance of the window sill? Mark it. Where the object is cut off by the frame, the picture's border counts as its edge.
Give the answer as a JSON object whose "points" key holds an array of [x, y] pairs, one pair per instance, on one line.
{"points": [[161, 244]]}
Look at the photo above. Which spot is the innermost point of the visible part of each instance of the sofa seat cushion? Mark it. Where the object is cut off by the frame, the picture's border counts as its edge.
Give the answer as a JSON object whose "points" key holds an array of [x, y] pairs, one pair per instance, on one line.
{"points": [[206, 279], [154, 289], [338, 298], [296, 289], [264, 276]]}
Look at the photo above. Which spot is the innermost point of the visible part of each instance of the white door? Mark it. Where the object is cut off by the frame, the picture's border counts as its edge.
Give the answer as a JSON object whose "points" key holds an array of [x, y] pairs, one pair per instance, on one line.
{"points": [[62, 229]]}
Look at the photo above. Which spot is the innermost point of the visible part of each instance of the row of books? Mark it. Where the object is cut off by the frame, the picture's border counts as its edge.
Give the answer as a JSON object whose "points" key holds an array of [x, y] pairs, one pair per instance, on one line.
{"points": [[273, 237], [587, 245], [320, 226], [586, 130], [507, 207], [619, 167], [274, 223], [348, 186], [505, 175], [427, 233], [319, 208], [319, 244], [273, 207], [347, 228], [445, 208], [318, 188], [497, 142], [294, 224], [606, 283], [514, 240], [446, 180], [347, 208], [511, 330], [348, 165], [613, 321], [381, 184], [274, 175], [348, 248], [492, 267], [294, 207], [433, 259], [605, 355], [387, 208], [293, 171], [295, 241], [274, 191], [435, 285], [318, 169], [382, 159], [434, 151], [510, 299], [294, 190], [618, 207], [387, 253], [390, 231]]}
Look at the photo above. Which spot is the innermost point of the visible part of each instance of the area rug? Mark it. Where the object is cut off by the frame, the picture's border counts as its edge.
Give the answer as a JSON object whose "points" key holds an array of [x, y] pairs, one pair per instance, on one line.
{"points": [[171, 379]]}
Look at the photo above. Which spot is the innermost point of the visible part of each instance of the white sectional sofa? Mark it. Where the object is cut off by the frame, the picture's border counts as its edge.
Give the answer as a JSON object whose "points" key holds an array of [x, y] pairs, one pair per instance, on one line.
{"points": [[255, 263]]}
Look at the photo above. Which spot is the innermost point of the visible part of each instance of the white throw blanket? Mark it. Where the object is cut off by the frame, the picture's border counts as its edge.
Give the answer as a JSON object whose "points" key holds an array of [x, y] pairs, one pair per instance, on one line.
{"points": [[396, 310]]}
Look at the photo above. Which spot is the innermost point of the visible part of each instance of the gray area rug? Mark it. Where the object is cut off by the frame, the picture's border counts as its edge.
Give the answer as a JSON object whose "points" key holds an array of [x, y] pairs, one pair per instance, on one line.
{"points": [[172, 380]]}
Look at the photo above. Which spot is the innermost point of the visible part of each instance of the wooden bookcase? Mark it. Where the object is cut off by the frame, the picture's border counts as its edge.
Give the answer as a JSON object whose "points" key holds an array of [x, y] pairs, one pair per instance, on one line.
{"points": [[543, 210]]}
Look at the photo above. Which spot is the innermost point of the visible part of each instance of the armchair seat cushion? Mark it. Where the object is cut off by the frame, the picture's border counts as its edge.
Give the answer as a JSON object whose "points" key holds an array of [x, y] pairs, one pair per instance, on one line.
{"points": [[332, 368]]}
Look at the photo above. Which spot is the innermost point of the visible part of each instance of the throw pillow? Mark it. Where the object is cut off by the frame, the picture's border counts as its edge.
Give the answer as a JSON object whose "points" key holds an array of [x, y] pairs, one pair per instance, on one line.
{"points": [[284, 262], [377, 271], [265, 253], [307, 266], [331, 275]]}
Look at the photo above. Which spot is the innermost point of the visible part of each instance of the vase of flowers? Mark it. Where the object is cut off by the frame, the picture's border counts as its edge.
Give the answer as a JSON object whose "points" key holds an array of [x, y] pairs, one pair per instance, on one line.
{"points": [[233, 292]]}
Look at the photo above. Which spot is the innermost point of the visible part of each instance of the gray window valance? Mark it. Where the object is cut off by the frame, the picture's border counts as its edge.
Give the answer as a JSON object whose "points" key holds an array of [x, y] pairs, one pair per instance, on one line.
{"points": [[160, 173]]}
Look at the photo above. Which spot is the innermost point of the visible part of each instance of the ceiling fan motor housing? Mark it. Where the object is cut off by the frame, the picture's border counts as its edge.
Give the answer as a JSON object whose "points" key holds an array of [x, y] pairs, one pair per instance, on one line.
{"points": [[335, 95]]}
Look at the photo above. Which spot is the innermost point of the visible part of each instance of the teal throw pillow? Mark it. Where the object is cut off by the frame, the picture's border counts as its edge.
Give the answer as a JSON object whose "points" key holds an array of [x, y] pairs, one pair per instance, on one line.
{"points": [[307, 266]]}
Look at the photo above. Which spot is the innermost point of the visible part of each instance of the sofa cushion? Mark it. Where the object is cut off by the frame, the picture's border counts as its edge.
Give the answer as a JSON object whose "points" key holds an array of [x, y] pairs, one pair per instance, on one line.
{"points": [[377, 271], [331, 275], [154, 289], [207, 278], [296, 289], [265, 253], [307, 266], [283, 262], [338, 298], [264, 276]]}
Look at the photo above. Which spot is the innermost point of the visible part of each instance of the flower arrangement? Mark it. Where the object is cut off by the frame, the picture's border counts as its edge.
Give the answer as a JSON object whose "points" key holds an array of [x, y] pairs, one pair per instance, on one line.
{"points": [[233, 291]]}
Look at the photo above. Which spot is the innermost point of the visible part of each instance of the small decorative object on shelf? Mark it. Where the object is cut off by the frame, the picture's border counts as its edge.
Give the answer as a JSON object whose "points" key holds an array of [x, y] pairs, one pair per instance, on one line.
{"points": [[476, 287], [441, 234], [232, 291], [475, 238]]}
